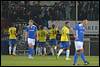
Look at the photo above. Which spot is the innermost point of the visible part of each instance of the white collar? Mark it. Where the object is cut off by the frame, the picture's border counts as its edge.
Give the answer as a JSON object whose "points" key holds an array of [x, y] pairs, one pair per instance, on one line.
{"points": [[81, 24]]}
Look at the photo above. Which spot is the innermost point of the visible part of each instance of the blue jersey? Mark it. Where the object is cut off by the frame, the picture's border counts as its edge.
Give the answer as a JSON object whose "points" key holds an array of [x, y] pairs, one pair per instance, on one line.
{"points": [[31, 30], [79, 30]]}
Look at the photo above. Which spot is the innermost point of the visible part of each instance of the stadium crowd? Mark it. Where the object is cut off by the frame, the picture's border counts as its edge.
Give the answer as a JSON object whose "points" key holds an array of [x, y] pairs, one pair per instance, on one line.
{"points": [[16, 11]]}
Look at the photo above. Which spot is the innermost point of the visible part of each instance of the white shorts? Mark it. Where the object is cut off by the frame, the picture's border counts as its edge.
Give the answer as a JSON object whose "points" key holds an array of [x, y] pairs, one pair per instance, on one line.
{"points": [[31, 41], [78, 45]]}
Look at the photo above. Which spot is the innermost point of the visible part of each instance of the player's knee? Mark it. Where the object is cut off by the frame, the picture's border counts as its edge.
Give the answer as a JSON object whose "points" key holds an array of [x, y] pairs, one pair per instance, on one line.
{"points": [[81, 50], [30, 46], [78, 52]]}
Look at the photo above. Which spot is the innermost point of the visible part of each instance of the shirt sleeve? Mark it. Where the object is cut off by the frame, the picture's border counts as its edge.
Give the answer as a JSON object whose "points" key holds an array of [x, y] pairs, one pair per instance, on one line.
{"points": [[67, 30], [76, 30], [15, 31], [76, 26], [36, 28], [26, 29], [37, 33], [9, 31]]}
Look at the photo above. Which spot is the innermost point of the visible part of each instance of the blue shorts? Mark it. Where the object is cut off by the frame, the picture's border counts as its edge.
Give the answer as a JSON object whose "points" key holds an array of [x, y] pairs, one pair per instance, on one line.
{"points": [[41, 44], [12, 42], [65, 44], [53, 42]]}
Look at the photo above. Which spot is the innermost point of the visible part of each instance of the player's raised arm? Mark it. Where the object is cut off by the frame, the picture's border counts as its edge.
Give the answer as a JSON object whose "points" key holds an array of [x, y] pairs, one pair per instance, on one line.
{"points": [[73, 32], [9, 31], [25, 34], [15, 31], [37, 36]]}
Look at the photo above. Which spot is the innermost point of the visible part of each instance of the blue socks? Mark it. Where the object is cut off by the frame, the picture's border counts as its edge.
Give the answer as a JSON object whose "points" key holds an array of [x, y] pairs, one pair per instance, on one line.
{"points": [[83, 57], [30, 51], [75, 57]]}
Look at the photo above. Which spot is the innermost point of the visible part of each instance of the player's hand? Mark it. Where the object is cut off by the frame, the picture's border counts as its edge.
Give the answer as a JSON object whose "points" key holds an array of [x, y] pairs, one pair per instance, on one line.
{"points": [[73, 37]]}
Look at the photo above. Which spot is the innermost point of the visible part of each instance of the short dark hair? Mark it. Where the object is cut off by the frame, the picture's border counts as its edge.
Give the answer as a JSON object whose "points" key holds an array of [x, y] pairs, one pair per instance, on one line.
{"points": [[40, 27], [53, 26], [12, 25], [85, 18], [66, 22]]}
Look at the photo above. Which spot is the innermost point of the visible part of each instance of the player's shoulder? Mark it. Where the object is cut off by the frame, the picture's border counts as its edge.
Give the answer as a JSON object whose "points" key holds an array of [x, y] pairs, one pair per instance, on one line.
{"points": [[78, 24], [64, 27], [12, 28], [34, 26]]}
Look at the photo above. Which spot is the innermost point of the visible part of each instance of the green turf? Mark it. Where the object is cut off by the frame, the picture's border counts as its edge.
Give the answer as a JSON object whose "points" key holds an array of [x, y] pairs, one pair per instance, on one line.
{"points": [[7, 60]]}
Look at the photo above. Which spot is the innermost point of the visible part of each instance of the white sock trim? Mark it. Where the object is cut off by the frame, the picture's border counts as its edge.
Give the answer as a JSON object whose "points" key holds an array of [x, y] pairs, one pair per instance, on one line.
{"points": [[68, 52], [44, 50], [10, 49], [60, 51], [52, 50], [14, 50]]}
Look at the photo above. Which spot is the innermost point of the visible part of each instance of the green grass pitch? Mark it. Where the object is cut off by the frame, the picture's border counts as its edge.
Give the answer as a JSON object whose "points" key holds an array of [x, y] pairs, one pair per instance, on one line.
{"points": [[7, 60]]}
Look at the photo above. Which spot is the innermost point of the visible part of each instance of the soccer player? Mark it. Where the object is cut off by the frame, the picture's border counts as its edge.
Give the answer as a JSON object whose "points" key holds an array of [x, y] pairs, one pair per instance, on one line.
{"points": [[12, 39], [52, 37], [41, 38], [79, 38], [30, 33], [65, 40]]}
